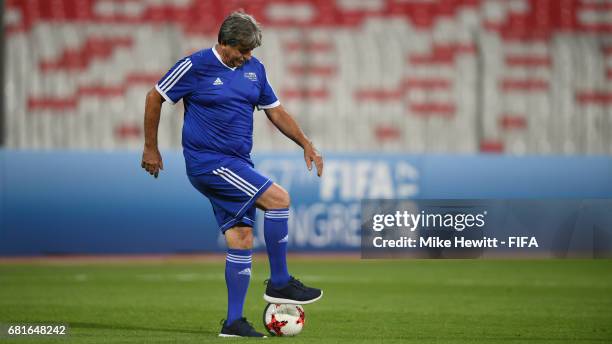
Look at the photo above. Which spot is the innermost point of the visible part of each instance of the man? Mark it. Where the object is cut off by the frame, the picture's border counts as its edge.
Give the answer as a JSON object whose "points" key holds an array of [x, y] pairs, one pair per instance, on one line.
{"points": [[220, 88]]}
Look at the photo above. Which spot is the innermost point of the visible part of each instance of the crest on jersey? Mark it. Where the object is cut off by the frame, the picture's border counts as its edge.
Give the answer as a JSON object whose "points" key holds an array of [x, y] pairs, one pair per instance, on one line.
{"points": [[251, 76]]}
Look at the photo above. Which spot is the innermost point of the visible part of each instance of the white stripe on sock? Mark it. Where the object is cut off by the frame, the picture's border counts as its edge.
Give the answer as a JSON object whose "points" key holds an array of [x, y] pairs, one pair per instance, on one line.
{"points": [[237, 262], [236, 257]]}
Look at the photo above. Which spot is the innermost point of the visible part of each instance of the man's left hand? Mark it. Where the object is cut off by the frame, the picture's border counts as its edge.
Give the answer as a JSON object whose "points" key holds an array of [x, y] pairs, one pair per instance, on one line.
{"points": [[312, 154]]}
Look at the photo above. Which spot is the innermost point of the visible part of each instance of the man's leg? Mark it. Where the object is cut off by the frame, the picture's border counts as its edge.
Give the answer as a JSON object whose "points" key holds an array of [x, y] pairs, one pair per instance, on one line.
{"points": [[239, 241], [275, 202], [232, 189], [282, 288]]}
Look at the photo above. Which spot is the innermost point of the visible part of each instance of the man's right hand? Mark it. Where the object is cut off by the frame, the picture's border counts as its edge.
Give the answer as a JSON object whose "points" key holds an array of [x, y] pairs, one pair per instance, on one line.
{"points": [[152, 161]]}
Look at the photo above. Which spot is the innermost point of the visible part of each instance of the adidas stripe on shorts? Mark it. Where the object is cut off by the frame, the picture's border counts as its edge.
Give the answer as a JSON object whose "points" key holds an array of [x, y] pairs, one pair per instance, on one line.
{"points": [[232, 187]]}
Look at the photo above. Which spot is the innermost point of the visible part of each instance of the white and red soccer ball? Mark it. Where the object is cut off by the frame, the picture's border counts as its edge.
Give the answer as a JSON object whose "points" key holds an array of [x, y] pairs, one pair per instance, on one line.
{"points": [[284, 319]]}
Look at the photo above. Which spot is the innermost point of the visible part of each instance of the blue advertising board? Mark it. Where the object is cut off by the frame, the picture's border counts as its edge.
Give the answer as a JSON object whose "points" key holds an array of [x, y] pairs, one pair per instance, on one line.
{"points": [[64, 202]]}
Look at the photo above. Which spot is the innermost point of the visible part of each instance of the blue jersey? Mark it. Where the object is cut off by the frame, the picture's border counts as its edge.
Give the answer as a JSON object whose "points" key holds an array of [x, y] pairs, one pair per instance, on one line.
{"points": [[219, 103]]}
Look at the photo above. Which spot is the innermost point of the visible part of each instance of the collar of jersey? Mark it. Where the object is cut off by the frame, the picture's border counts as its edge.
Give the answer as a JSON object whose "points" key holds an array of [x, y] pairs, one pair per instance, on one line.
{"points": [[219, 58]]}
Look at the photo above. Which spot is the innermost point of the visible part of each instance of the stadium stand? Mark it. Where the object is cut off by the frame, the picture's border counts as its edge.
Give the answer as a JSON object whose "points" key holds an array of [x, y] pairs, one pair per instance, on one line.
{"points": [[448, 76]]}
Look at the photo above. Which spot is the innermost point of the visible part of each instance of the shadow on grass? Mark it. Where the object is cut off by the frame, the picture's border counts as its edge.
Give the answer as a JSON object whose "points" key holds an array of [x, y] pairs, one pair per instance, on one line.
{"points": [[85, 325]]}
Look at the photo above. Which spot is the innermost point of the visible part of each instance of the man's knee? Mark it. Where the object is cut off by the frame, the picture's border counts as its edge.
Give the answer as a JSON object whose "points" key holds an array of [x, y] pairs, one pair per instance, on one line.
{"points": [[284, 200], [239, 238], [274, 198]]}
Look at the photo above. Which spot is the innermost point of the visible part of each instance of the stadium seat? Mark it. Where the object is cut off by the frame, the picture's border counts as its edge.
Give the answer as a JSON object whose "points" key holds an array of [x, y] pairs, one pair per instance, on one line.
{"points": [[519, 77]]}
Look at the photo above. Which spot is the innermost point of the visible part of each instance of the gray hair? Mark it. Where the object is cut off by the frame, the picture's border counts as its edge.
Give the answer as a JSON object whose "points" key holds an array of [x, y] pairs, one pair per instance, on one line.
{"points": [[240, 29]]}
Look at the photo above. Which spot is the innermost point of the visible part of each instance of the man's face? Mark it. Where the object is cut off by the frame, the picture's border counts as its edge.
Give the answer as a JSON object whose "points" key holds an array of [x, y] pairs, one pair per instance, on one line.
{"points": [[235, 56]]}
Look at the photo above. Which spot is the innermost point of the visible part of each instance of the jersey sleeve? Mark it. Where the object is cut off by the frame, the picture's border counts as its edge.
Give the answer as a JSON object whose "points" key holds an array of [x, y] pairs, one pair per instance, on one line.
{"points": [[178, 82], [267, 97]]}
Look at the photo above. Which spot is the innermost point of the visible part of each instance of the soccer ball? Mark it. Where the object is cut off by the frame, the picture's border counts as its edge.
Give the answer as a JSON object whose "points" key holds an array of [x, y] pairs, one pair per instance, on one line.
{"points": [[284, 319]]}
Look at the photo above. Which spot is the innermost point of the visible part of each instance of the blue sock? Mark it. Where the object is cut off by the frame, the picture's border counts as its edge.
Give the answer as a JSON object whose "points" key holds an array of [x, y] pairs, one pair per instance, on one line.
{"points": [[276, 234], [237, 278]]}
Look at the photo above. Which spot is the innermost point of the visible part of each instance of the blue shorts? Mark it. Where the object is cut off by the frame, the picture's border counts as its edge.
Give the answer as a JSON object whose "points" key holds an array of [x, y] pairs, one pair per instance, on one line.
{"points": [[232, 187]]}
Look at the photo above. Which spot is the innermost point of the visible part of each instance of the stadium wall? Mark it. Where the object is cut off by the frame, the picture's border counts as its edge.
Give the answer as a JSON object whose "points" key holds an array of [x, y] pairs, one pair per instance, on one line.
{"points": [[67, 202]]}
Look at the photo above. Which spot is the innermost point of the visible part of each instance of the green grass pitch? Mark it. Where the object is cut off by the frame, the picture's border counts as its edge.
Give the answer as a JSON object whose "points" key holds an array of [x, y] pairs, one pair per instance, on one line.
{"points": [[402, 301]]}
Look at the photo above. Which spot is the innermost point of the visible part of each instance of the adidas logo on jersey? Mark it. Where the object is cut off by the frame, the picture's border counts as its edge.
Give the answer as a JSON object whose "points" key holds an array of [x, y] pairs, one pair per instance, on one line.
{"points": [[246, 271], [285, 239], [218, 82]]}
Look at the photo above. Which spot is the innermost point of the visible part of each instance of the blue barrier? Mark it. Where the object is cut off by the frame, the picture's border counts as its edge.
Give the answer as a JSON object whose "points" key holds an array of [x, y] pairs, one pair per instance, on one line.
{"points": [[61, 202]]}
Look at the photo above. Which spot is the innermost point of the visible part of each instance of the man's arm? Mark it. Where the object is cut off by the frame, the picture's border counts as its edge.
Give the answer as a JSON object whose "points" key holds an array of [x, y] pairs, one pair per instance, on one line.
{"points": [[288, 126], [151, 158]]}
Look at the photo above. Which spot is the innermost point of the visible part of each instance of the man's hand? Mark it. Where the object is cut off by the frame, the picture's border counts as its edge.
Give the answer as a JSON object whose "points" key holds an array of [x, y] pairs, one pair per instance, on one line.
{"points": [[312, 154], [152, 161]]}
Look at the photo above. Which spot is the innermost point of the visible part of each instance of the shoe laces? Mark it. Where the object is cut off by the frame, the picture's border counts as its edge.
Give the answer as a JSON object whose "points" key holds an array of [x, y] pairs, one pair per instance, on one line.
{"points": [[293, 281], [296, 283], [242, 320]]}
